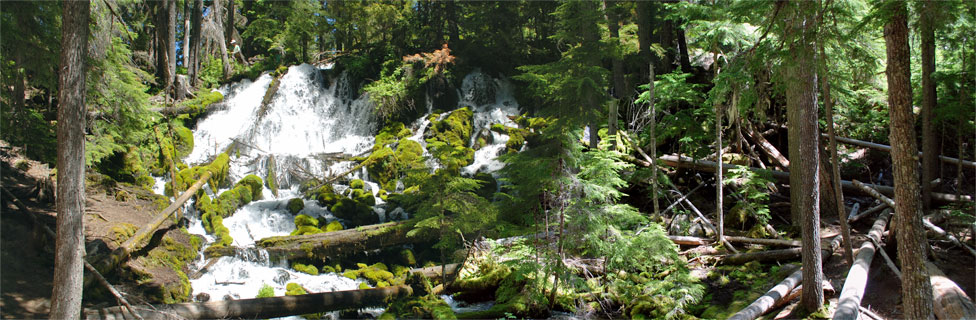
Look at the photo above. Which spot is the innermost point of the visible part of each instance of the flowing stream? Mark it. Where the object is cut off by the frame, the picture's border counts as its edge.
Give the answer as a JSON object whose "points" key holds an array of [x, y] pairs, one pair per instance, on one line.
{"points": [[311, 118]]}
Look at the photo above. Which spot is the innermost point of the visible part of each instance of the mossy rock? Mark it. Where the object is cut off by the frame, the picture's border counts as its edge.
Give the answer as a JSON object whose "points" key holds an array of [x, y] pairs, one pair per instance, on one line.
{"points": [[448, 139], [357, 184], [382, 166], [295, 205], [355, 212], [377, 274], [305, 268], [266, 291], [419, 307], [390, 133], [410, 164], [294, 289], [254, 184], [304, 230], [327, 197], [123, 231], [305, 220], [407, 257], [333, 226]]}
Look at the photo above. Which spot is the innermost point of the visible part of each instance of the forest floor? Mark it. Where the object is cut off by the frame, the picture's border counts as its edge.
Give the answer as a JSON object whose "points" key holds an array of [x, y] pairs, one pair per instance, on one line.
{"points": [[27, 253]]}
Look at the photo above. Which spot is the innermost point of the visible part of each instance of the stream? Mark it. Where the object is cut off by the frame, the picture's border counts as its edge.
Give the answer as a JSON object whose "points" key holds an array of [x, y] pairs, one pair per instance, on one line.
{"points": [[311, 118]]}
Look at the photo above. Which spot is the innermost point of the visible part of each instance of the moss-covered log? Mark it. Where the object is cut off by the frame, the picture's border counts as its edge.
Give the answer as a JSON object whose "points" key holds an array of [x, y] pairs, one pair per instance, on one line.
{"points": [[334, 244], [261, 308]]}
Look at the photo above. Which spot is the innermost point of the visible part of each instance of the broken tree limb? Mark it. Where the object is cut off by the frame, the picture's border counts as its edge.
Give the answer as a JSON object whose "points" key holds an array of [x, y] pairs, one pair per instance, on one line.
{"points": [[857, 277], [886, 148], [868, 212], [436, 271], [709, 166], [687, 241], [948, 300], [766, 302], [682, 198], [260, 308], [887, 259], [928, 225], [710, 226], [768, 148]]}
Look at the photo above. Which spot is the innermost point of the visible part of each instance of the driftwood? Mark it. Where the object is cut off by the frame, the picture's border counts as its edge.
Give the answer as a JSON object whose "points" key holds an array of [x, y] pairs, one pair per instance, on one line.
{"points": [[50, 233], [709, 166], [928, 225], [948, 300], [857, 277], [766, 302], [886, 148], [259, 308]]}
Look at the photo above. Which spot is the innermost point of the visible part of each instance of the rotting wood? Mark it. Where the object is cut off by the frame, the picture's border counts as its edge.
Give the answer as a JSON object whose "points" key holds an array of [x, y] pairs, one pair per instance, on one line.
{"points": [[928, 225], [853, 212], [258, 308], [92, 271], [768, 148], [436, 271], [687, 241], [853, 290], [948, 300], [766, 301], [886, 148], [709, 166]]}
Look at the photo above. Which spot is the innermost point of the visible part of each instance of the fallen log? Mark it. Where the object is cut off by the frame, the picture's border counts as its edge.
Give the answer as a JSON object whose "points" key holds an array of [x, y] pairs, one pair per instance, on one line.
{"points": [[765, 242], [766, 302], [435, 271], [709, 166], [260, 308], [687, 241], [334, 244], [928, 225], [710, 226], [857, 277], [886, 148], [948, 300], [868, 212], [777, 254]]}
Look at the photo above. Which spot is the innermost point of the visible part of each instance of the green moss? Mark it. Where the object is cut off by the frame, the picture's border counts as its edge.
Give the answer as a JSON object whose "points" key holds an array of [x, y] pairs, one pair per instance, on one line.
{"points": [[123, 231], [327, 197], [353, 211], [382, 167], [295, 205], [183, 141], [420, 307], [305, 220], [294, 289], [333, 226], [391, 133], [363, 286], [306, 268], [174, 255], [407, 257], [448, 139], [266, 291], [328, 269], [303, 230], [357, 184], [253, 183]]}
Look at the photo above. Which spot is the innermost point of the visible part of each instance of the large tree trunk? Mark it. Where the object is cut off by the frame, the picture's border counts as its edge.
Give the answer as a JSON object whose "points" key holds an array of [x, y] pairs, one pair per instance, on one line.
{"points": [[262, 308], [930, 141], [70, 243], [218, 14], [645, 30], [165, 46], [619, 86], [804, 151], [186, 34], [196, 23], [916, 291], [334, 244], [229, 28]]}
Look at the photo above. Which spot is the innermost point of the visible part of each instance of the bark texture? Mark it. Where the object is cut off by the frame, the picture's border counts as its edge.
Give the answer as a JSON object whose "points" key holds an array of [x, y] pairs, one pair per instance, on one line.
{"points": [[930, 140], [196, 22], [916, 291], [70, 243], [801, 112], [165, 42], [838, 191]]}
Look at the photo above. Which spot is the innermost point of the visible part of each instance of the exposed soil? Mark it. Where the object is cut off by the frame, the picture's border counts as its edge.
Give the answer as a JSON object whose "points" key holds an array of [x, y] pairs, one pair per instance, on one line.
{"points": [[27, 254]]}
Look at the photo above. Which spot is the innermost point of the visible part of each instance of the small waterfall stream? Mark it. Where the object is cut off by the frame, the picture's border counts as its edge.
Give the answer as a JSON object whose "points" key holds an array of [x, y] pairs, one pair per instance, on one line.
{"points": [[309, 118]]}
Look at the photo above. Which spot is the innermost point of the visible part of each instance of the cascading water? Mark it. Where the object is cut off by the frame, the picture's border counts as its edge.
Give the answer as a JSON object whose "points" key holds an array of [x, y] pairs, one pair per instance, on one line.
{"points": [[309, 119]]}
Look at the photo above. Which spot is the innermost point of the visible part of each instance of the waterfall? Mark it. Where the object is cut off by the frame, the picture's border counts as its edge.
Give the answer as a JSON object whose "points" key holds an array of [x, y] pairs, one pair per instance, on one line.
{"points": [[310, 120]]}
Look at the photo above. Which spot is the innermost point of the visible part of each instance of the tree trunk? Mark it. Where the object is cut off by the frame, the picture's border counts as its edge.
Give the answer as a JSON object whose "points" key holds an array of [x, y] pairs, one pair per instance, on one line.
{"points": [[70, 243], [336, 243], [916, 290], [653, 145], [930, 141], [645, 31], [767, 301], [196, 23], [229, 28], [719, 207], [262, 308], [835, 166], [165, 43], [619, 86], [218, 13], [857, 277], [186, 34], [683, 50], [804, 151]]}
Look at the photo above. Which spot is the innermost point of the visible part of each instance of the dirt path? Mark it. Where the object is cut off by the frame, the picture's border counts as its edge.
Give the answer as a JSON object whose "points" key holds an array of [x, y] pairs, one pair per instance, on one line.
{"points": [[27, 262]]}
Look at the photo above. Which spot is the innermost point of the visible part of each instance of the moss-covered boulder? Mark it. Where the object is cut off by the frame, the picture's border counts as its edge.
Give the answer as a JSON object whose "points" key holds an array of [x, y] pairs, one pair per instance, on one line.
{"points": [[305, 224], [377, 274], [447, 139], [305, 268], [333, 226], [355, 212], [382, 167], [391, 133], [295, 205], [419, 307], [294, 289]]}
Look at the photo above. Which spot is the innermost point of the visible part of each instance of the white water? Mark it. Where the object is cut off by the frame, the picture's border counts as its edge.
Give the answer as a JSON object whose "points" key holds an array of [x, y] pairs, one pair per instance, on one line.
{"points": [[307, 119]]}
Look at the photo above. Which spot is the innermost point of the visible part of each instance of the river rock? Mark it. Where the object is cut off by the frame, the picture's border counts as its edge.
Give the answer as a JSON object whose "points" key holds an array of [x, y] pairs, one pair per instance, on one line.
{"points": [[282, 277]]}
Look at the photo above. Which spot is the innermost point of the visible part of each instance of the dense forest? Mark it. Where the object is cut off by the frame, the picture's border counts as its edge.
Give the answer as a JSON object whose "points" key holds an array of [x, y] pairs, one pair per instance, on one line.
{"points": [[474, 159]]}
